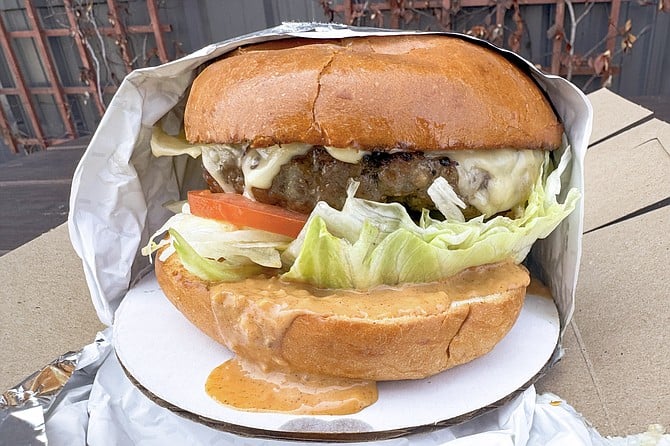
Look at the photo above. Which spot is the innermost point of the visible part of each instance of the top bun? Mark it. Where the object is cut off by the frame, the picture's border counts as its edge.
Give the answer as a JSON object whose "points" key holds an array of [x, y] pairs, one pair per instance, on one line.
{"points": [[413, 92]]}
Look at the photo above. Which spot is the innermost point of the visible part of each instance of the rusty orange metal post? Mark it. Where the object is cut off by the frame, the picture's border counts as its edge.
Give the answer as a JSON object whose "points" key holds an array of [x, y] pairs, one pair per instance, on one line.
{"points": [[20, 86]]}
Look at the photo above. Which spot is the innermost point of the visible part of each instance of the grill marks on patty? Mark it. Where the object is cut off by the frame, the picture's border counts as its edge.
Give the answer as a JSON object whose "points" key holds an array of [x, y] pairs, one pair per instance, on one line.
{"points": [[401, 177]]}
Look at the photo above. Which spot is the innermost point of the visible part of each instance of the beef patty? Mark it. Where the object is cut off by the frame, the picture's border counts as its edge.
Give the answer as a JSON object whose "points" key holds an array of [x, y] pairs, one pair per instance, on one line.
{"points": [[401, 177]]}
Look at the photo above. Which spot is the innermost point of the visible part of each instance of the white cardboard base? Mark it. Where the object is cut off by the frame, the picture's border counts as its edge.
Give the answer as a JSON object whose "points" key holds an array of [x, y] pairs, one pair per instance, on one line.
{"points": [[172, 359]]}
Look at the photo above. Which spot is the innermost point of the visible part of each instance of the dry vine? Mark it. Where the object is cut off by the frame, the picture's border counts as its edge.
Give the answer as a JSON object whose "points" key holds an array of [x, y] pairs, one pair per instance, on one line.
{"points": [[404, 14]]}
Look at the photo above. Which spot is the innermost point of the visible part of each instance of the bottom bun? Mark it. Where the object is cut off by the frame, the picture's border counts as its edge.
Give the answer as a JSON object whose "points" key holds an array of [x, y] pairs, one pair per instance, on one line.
{"points": [[387, 333]]}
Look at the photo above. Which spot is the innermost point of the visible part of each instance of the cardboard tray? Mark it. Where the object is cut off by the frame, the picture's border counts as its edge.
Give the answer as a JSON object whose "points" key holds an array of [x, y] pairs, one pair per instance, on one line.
{"points": [[170, 360]]}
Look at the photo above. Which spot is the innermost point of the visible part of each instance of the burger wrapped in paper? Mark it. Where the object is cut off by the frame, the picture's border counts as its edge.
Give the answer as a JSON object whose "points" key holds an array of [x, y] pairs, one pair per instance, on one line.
{"points": [[370, 203]]}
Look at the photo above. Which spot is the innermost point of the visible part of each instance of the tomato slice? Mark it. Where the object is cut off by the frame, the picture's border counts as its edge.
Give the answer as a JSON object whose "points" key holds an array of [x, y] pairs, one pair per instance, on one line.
{"points": [[241, 211]]}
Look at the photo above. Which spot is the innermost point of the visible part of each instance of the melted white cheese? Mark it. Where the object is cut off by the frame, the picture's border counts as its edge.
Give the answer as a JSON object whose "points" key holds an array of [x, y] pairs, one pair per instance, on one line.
{"points": [[216, 155], [496, 180], [260, 166], [490, 180], [347, 155]]}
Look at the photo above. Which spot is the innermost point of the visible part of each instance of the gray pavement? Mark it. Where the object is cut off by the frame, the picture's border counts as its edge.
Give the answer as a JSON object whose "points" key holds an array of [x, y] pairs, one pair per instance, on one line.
{"points": [[34, 192]]}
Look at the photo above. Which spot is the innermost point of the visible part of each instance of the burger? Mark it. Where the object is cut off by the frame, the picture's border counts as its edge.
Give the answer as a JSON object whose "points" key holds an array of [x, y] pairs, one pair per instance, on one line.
{"points": [[369, 203]]}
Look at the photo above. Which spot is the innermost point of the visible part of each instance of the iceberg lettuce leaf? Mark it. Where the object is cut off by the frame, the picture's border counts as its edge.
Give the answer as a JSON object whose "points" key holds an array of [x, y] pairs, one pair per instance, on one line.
{"points": [[368, 244], [208, 269]]}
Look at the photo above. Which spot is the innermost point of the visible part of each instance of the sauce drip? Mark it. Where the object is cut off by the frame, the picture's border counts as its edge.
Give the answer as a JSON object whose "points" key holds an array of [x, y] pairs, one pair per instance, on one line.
{"points": [[236, 384], [538, 288], [272, 327]]}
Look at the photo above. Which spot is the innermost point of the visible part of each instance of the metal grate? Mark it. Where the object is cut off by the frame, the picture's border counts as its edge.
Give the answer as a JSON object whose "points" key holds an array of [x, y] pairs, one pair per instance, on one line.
{"points": [[32, 135]]}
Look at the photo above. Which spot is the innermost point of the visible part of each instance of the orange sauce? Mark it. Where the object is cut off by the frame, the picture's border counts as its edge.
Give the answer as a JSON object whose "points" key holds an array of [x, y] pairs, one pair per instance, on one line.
{"points": [[537, 288], [256, 315], [240, 386]]}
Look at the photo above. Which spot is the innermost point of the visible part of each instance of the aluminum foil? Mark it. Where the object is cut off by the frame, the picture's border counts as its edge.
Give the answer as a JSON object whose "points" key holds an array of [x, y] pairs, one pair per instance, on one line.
{"points": [[26, 408], [22, 408]]}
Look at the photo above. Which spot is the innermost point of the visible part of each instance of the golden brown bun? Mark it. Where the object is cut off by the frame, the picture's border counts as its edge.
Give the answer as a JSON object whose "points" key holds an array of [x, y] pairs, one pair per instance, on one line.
{"points": [[388, 334], [410, 92]]}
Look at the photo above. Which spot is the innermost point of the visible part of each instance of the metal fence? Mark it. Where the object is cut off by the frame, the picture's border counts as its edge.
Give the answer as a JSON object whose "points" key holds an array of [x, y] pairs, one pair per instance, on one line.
{"points": [[62, 60]]}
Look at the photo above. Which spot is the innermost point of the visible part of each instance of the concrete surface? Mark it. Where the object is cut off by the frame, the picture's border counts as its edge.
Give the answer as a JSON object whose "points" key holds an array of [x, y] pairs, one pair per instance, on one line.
{"points": [[45, 306]]}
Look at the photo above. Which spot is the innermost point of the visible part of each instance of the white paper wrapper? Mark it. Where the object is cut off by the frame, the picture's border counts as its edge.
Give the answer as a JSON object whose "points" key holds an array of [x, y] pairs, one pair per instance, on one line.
{"points": [[117, 200]]}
